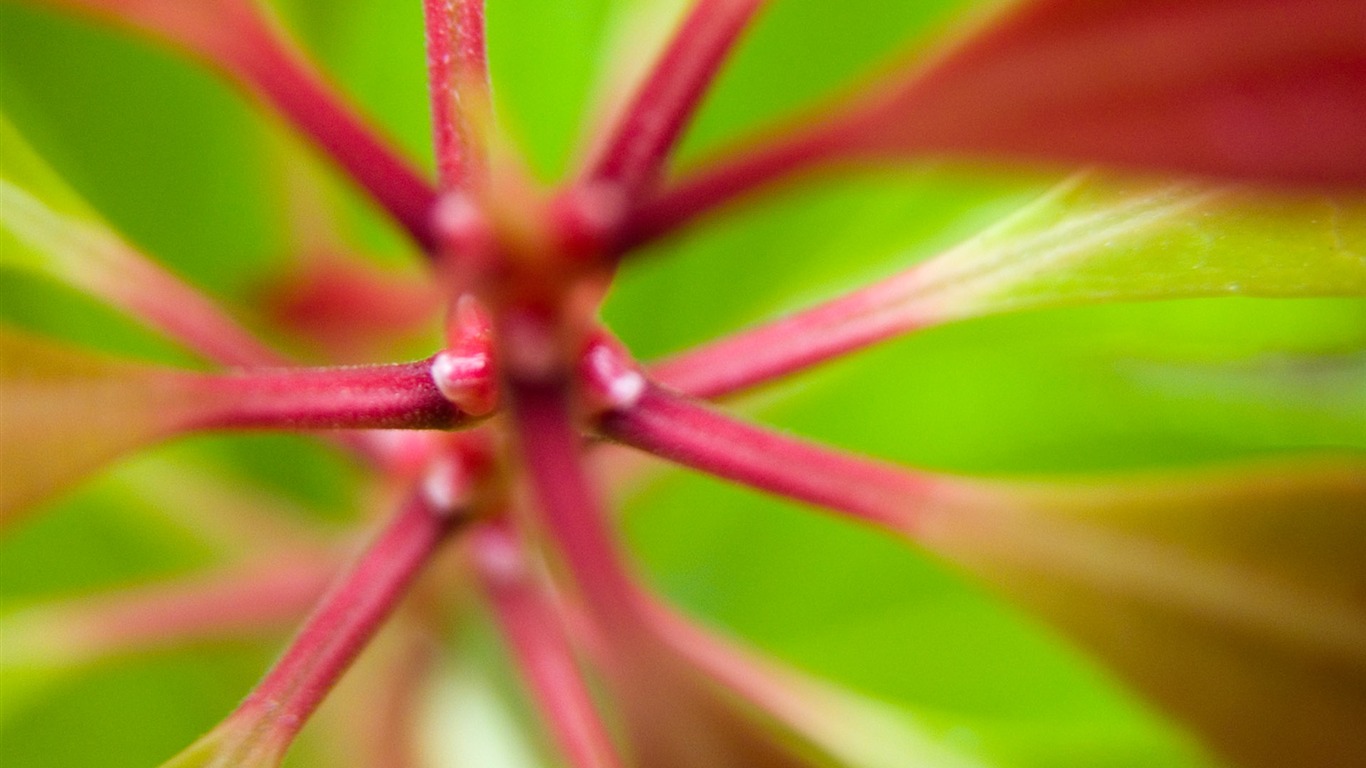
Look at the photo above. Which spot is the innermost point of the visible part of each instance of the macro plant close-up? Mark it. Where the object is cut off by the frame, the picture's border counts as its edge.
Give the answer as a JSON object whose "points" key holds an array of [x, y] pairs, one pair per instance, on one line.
{"points": [[683, 383]]}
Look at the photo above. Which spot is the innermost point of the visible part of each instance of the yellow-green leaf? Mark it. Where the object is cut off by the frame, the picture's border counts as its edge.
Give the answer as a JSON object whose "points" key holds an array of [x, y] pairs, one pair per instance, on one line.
{"points": [[1234, 599], [65, 412]]}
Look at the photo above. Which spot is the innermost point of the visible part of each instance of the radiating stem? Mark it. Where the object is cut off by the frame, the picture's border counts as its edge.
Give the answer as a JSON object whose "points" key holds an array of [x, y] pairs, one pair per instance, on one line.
{"points": [[236, 36], [283, 77], [791, 344], [654, 120], [675, 428], [538, 640], [243, 600], [457, 76], [739, 173], [400, 396], [264, 725], [93, 258], [569, 510]]}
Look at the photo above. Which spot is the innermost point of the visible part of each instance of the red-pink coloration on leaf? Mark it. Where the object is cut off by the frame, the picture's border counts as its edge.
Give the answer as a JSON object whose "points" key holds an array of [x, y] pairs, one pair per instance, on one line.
{"points": [[1257, 90]]}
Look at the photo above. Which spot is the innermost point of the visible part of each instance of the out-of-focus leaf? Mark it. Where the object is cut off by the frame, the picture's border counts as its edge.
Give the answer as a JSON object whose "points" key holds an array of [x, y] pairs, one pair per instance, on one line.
{"points": [[802, 52], [24, 168], [1097, 240], [46, 228], [1243, 88], [164, 125], [885, 623], [140, 709], [65, 412], [1234, 599], [762, 712], [542, 56], [205, 27], [1251, 88], [787, 251], [1090, 240]]}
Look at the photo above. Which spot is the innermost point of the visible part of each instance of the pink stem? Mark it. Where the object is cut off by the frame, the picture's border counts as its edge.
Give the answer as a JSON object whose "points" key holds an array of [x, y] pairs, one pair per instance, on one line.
{"points": [[740, 173], [237, 37], [188, 316], [287, 81], [247, 600], [351, 309], [653, 122], [400, 396], [769, 352], [676, 428], [343, 624], [457, 76], [569, 510], [539, 640]]}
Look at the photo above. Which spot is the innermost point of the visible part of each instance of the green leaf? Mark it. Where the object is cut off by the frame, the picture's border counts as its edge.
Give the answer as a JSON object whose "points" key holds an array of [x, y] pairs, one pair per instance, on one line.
{"points": [[1090, 240], [45, 228], [1096, 240], [45, 225], [165, 125]]}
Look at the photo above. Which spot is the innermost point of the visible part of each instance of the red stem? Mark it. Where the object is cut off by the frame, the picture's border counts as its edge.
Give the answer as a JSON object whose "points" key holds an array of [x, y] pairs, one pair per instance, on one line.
{"points": [[237, 37], [739, 173], [249, 599], [343, 624], [653, 122], [676, 428], [794, 343], [399, 396], [457, 77], [569, 510], [538, 637], [182, 312], [285, 79]]}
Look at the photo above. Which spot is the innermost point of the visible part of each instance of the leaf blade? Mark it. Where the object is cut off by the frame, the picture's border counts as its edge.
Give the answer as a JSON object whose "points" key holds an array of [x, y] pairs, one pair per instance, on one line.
{"points": [[1092, 239], [1201, 590]]}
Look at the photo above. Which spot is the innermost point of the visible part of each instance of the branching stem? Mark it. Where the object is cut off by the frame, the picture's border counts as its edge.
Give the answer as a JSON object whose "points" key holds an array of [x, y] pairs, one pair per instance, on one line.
{"points": [[286, 81], [638, 146], [350, 614], [769, 352], [400, 396], [457, 77], [728, 178], [538, 639], [676, 428], [568, 508]]}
